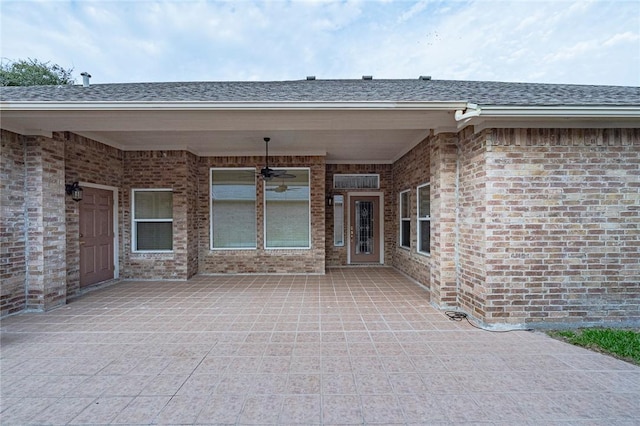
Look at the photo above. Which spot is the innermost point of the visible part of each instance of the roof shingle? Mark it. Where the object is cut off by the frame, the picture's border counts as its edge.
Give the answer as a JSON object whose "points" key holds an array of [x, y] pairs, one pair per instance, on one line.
{"points": [[417, 90]]}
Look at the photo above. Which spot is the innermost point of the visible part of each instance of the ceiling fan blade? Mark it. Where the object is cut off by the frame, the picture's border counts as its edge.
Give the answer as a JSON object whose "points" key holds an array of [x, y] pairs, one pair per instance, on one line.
{"points": [[282, 174]]}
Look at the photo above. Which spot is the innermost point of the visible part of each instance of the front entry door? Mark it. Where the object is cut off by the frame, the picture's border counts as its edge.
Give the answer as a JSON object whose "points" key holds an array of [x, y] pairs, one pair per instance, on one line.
{"points": [[96, 236], [364, 229]]}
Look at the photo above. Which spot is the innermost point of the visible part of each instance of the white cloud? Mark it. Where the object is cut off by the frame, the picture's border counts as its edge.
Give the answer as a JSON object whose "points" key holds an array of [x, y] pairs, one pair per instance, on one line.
{"points": [[414, 10], [548, 41], [627, 37]]}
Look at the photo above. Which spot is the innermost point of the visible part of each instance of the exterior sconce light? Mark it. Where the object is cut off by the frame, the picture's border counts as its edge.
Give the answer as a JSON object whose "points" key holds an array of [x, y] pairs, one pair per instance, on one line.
{"points": [[74, 190], [329, 200]]}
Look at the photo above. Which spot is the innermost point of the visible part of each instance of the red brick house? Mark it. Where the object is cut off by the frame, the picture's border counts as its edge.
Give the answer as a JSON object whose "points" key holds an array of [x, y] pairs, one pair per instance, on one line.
{"points": [[517, 203]]}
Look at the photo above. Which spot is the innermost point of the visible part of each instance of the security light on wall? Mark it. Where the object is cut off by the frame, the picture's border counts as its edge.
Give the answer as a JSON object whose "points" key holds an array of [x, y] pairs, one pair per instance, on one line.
{"points": [[74, 190]]}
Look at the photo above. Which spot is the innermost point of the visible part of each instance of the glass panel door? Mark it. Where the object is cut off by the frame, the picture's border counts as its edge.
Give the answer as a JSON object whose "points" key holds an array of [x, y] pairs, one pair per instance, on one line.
{"points": [[364, 229]]}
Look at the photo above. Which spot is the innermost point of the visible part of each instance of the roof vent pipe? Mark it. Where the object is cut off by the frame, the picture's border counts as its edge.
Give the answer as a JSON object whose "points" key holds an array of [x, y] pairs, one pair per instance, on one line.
{"points": [[85, 79], [367, 77]]}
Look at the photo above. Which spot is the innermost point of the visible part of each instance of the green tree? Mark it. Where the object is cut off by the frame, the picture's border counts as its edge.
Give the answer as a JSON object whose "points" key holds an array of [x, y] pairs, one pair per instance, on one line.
{"points": [[31, 72]]}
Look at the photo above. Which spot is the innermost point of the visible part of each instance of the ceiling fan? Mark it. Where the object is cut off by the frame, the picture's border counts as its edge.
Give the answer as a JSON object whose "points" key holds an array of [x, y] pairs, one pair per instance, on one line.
{"points": [[282, 188], [268, 173]]}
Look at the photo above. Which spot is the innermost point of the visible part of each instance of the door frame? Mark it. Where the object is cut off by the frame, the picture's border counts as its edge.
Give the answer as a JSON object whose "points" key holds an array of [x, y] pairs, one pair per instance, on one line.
{"points": [[116, 230], [381, 219]]}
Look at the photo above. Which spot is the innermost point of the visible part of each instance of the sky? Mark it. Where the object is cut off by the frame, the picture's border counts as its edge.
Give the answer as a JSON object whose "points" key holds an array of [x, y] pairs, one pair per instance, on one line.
{"points": [[561, 41]]}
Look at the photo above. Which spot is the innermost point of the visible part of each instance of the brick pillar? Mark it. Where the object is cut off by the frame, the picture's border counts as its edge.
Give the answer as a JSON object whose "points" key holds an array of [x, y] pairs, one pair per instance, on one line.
{"points": [[13, 264], [192, 214], [472, 226], [443, 156], [46, 229]]}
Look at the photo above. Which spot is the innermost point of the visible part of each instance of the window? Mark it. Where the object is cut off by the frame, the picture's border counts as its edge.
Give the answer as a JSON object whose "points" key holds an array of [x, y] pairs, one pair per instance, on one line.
{"points": [[233, 209], [338, 220], [286, 211], [152, 220], [356, 181], [424, 219], [405, 220]]}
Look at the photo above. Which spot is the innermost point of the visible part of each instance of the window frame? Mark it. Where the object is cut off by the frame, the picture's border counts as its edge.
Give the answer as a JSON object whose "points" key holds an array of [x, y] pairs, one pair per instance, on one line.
{"points": [[338, 220], [404, 220], [255, 207], [264, 211], [134, 221], [420, 219]]}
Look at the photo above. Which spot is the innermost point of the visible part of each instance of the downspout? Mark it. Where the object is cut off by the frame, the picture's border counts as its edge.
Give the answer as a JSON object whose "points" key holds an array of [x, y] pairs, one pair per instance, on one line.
{"points": [[25, 212], [456, 228], [462, 117]]}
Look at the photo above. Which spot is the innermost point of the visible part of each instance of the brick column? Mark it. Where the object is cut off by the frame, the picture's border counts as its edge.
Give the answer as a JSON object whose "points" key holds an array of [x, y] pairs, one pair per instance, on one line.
{"points": [[443, 156], [46, 229], [192, 215], [472, 223], [13, 264]]}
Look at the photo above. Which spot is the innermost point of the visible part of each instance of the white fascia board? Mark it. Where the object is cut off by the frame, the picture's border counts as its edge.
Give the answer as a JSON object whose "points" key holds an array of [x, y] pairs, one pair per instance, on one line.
{"points": [[483, 117], [560, 112], [236, 106], [594, 123]]}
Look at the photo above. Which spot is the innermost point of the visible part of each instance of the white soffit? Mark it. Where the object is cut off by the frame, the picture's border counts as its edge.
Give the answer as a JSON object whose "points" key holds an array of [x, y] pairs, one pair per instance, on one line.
{"points": [[343, 132]]}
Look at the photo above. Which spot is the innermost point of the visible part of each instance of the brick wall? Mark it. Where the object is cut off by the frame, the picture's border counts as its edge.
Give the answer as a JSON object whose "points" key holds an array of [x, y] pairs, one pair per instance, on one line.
{"points": [[548, 221], [261, 260], [337, 256], [153, 170], [547, 224], [563, 226], [410, 171], [13, 266], [93, 162]]}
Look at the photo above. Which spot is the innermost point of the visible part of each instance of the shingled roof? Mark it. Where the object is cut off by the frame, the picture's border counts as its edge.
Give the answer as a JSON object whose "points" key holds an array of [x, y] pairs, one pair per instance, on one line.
{"points": [[484, 93]]}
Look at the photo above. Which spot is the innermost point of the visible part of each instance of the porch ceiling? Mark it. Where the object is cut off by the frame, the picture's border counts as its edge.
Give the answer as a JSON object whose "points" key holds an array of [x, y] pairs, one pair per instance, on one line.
{"points": [[344, 134]]}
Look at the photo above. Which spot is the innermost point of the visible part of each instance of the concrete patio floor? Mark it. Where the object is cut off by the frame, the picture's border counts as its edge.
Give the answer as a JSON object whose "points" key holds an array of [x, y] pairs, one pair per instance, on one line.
{"points": [[355, 346]]}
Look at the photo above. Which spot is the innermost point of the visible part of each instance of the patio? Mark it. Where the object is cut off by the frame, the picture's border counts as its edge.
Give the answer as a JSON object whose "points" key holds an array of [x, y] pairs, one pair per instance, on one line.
{"points": [[355, 346]]}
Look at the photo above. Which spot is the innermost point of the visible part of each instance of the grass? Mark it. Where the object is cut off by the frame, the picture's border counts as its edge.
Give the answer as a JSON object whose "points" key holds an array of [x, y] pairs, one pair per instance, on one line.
{"points": [[623, 344]]}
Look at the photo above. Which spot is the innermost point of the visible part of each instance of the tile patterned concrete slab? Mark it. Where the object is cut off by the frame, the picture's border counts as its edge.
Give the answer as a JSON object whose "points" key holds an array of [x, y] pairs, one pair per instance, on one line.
{"points": [[356, 346]]}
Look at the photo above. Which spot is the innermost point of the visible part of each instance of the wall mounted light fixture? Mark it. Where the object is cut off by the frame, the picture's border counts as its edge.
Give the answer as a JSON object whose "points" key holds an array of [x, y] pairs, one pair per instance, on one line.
{"points": [[329, 200], [74, 190]]}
